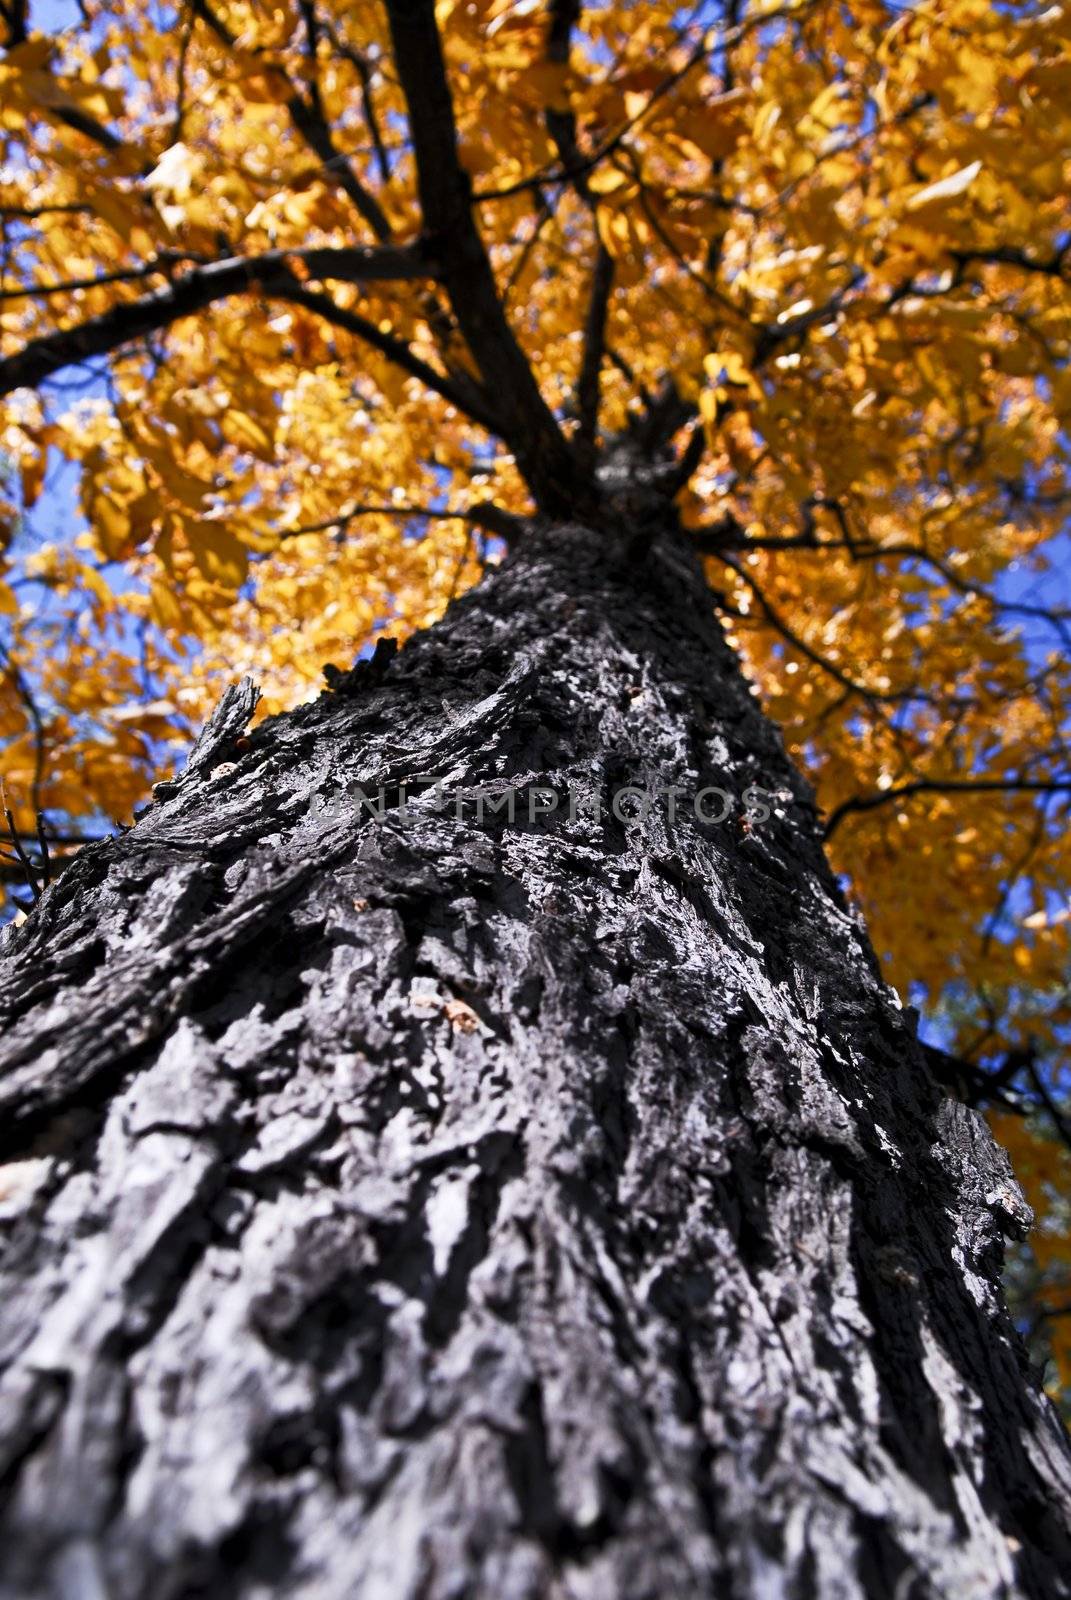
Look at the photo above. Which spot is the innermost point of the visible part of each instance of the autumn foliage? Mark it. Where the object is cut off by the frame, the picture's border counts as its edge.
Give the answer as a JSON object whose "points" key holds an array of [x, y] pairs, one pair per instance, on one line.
{"points": [[827, 247]]}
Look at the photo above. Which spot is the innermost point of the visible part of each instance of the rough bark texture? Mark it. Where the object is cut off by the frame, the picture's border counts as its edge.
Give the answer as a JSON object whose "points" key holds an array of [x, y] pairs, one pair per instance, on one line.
{"points": [[422, 1208]]}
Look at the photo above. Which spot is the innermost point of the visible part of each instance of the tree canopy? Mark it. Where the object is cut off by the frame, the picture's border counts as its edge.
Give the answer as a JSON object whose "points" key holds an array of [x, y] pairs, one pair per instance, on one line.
{"points": [[311, 304]]}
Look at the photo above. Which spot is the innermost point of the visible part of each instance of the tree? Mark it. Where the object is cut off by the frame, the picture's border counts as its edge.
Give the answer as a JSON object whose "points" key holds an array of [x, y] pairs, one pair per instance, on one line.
{"points": [[407, 1194]]}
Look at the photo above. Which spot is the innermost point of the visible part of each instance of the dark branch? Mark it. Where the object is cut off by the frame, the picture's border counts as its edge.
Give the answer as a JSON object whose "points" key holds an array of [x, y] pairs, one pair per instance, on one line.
{"points": [[23, 859], [42, 845], [467, 397], [310, 122], [528, 425], [714, 38], [1056, 1115], [159, 267], [790, 636], [14, 14], [664, 415], [904, 791], [976, 1085], [690, 457], [561, 123], [363, 69], [489, 517], [587, 389], [36, 721], [775, 334], [81, 122], [31, 213], [132, 319], [1054, 266]]}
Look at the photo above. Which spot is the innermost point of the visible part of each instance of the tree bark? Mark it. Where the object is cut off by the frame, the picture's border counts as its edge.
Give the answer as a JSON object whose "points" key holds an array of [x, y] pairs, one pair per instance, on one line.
{"points": [[434, 1206]]}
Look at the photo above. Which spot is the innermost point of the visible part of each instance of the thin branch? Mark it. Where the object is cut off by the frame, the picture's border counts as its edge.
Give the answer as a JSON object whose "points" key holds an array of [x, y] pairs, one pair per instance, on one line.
{"points": [[1055, 266], [23, 858], [1048, 1313], [492, 518], [309, 121], [975, 1084], [1014, 874], [180, 75], [903, 791], [689, 460], [31, 213], [14, 16], [837, 150], [159, 267], [37, 723], [729, 533], [775, 334], [778, 623], [364, 72], [544, 215], [81, 122], [468, 398], [561, 174], [1060, 1122], [42, 845], [459, 566]]}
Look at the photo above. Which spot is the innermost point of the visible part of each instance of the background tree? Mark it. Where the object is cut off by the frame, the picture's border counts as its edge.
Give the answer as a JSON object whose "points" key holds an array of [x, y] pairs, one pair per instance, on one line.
{"points": [[323, 304]]}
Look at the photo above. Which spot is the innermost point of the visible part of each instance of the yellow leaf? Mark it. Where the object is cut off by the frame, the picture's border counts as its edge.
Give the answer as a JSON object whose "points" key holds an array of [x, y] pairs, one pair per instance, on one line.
{"points": [[607, 180], [175, 171], [32, 472], [166, 611], [32, 54], [950, 188], [111, 524], [221, 557], [118, 210], [547, 82], [241, 430]]}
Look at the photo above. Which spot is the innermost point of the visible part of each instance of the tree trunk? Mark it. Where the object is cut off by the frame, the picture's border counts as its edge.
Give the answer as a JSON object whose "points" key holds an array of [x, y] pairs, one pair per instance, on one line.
{"points": [[433, 1205]]}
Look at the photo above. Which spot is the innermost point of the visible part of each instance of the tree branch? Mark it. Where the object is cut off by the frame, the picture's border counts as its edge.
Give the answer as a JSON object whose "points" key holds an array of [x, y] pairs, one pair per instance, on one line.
{"points": [[976, 1085], [561, 125], [1055, 266], [690, 457], [14, 14], [468, 399], [528, 425], [32, 213], [491, 518], [587, 388], [23, 859], [363, 70], [903, 791], [310, 122], [36, 721], [132, 319], [45, 291], [81, 122], [709, 42], [790, 636]]}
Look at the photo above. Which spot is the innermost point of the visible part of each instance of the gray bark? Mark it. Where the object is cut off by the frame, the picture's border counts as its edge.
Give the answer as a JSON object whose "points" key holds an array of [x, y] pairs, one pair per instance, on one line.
{"points": [[424, 1207]]}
